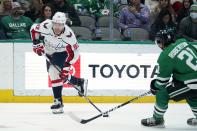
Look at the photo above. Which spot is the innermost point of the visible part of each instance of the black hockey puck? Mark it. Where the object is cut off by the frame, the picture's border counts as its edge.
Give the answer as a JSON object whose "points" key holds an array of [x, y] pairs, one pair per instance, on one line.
{"points": [[105, 115]]}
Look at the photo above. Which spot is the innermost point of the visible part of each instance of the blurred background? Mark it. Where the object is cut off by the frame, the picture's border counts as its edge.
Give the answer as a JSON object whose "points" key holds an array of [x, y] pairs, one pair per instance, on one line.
{"points": [[114, 20]]}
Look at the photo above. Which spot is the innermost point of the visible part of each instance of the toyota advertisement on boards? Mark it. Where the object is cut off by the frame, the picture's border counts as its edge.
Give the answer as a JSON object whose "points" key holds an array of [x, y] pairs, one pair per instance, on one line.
{"points": [[103, 70], [111, 70]]}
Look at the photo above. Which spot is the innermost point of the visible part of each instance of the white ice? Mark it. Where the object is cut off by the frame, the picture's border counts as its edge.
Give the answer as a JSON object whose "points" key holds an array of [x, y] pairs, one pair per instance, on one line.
{"points": [[38, 117]]}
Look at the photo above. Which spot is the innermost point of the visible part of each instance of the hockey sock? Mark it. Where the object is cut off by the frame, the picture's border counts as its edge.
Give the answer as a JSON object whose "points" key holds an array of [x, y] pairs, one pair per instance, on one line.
{"points": [[159, 112], [57, 92], [194, 110]]}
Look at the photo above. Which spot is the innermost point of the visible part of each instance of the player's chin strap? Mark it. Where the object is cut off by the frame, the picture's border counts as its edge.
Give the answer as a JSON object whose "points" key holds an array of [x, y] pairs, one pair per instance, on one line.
{"points": [[87, 99]]}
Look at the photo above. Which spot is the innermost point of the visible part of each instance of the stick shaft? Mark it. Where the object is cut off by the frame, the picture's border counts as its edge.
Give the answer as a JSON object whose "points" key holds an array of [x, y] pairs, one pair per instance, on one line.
{"points": [[87, 99], [84, 121]]}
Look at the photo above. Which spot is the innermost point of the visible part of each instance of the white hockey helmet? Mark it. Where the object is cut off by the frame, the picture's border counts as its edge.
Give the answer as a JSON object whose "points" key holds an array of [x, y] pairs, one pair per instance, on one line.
{"points": [[59, 17]]}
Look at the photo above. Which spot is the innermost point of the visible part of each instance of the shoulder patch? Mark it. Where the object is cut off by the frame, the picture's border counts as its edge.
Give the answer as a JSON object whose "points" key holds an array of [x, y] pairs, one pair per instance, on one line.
{"points": [[70, 35], [45, 25]]}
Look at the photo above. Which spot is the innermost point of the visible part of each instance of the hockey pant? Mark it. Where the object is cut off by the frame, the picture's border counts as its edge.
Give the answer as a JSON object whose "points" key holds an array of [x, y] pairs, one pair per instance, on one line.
{"points": [[58, 59]]}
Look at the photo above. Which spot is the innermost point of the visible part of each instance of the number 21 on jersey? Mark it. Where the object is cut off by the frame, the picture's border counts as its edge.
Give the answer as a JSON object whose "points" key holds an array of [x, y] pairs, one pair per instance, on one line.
{"points": [[191, 58]]}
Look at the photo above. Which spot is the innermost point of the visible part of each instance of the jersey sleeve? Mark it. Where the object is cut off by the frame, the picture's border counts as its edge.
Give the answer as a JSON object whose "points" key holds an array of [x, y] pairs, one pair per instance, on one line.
{"points": [[72, 47], [35, 34], [165, 71], [37, 30]]}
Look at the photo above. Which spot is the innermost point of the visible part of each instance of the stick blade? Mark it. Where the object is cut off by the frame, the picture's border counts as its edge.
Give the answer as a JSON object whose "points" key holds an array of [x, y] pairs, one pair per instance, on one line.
{"points": [[74, 117], [82, 121]]}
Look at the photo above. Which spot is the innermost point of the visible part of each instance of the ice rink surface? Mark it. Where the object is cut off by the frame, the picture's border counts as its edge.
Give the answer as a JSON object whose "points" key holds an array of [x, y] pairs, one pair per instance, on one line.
{"points": [[38, 117]]}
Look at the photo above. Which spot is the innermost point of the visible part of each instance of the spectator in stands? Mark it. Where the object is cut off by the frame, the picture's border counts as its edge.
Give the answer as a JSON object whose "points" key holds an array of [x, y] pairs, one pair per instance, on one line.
{"points": [[2, 33], [32, 8], [177, 5], [143, 1], [188, 25], [101, 8], [46, 13], [1, 6], [7, 7], [151, 4], [117, 2], [16, 26], [161, 5], [184, 11], [66, 7], [135, 15], [45, 1], [81, 6], [162, 22]]}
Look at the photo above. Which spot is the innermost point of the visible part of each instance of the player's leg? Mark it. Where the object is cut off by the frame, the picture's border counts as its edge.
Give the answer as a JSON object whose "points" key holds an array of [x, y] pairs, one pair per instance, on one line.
{"points": [[176, 91], [161, 105], [180, 91], [57, 86], [80, 83], [193, 105]]}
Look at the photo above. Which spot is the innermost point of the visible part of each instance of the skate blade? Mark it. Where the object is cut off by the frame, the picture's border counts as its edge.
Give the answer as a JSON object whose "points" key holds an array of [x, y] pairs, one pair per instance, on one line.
{"points": [[153, 126], [195, 124], [57, 111], [159, 126]]}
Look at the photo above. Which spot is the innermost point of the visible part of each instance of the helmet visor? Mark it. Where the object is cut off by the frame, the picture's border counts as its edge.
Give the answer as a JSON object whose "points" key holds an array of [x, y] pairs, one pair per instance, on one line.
{"points": [[159, 42]]}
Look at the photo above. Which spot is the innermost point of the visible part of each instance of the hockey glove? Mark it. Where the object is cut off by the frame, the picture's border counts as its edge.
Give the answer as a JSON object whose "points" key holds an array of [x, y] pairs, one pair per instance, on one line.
{"points": [[39, 49], [65, 72], [153, 89]]}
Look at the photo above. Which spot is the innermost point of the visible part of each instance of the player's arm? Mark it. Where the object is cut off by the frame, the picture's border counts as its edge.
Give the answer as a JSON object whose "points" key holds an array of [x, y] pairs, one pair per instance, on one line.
{"points": [[73, 53], [38, 46], [72, 50], [165, 72], [164, 75]]}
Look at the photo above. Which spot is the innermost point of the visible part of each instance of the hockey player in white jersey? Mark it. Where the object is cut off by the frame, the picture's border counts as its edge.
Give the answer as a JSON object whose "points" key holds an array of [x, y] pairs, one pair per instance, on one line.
{"points": [[58, 42]]}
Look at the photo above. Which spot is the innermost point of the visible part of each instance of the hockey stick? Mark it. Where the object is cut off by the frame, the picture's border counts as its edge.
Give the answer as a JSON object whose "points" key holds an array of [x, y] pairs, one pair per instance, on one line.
{"points": [[87, 99], [84, 121]]}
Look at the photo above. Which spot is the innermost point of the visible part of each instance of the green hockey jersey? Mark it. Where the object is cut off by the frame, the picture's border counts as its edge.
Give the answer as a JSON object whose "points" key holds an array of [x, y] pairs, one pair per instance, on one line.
{"points": [[178, 60]]}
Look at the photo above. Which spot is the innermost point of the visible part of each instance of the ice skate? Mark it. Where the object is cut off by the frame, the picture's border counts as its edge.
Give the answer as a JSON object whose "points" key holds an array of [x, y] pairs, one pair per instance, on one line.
{"points": [[152, 122], [192, 121], [82, 86], [57, 107]]}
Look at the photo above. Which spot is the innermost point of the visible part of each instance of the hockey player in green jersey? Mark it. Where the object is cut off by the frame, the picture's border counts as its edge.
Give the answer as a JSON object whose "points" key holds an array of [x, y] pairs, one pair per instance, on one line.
{"points": [[178, 63]]}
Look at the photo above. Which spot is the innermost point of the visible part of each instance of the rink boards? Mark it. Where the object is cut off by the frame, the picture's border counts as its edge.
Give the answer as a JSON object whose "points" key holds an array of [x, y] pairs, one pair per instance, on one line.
{"points": [[115, 71]]}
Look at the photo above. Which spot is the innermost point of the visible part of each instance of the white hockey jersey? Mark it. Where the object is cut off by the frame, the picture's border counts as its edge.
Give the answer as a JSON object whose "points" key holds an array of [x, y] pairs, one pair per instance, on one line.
{"points": [[53, 43]]}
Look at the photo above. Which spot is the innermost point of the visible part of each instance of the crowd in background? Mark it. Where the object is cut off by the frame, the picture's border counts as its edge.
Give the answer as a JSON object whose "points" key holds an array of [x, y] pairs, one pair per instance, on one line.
{"points": [[150, 16]]}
